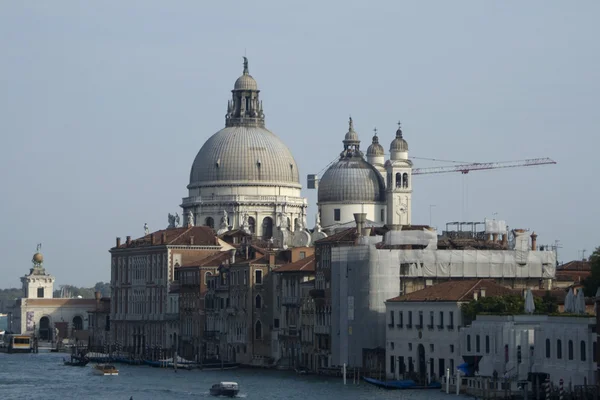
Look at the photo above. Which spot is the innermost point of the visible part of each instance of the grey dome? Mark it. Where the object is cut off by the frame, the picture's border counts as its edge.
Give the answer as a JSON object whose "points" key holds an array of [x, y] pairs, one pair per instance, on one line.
{"points": [[351, 180], [375, 149], [244, 155], [399, 144], [245, 82]]}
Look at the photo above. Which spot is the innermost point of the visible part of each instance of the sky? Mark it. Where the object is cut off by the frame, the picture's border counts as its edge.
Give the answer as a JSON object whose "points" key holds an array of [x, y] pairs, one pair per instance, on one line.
{"points": [[104, 105]]}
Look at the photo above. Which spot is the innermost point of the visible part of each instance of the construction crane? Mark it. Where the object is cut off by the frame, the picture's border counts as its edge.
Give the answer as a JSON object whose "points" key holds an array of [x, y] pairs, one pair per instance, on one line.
{"points": [[466, 168]]}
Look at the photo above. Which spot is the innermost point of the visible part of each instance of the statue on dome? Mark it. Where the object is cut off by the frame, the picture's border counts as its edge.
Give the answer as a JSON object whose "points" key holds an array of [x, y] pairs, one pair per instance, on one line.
{"points": [[177, 220], [245, 65], [171, 221]]}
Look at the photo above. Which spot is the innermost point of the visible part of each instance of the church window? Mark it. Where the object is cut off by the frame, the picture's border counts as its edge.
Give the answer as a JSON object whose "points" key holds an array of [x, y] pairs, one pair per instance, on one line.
{"points": [[210, 222], [258, 301], [337, 214], [405, 180], [40, 293], [267, 228], [258, 277], [398, 180], [258, 330]]}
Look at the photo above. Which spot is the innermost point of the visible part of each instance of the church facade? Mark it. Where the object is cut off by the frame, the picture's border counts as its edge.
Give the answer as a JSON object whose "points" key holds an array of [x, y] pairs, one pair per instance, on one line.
{"points": [[379, 188], [244, 176]]}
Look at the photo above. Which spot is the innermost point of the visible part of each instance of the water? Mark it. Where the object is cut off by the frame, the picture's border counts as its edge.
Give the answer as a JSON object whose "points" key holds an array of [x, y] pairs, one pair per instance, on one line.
{"points": [[43, 376]]}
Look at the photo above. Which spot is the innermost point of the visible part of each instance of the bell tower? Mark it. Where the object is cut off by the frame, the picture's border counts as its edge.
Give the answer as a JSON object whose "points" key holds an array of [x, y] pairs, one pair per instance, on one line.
{"points": [[398, 182], [38, 284]]}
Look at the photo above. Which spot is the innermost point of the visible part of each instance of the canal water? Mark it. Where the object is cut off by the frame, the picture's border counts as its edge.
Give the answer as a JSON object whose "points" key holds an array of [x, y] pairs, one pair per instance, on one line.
{"points": [[43, 376]]}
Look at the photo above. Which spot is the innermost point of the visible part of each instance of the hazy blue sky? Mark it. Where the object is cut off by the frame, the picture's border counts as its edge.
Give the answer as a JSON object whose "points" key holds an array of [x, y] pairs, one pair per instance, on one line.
{"points": [[104, 105]]}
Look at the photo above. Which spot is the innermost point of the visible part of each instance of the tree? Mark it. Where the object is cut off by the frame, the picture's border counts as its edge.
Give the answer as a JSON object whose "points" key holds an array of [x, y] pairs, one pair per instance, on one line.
{"points": [[103, 288], [592, 282]]}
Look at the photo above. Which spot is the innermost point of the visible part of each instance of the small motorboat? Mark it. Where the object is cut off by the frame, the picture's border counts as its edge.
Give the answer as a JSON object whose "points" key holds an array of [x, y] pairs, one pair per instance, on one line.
{"points": [[77, 361], [228, 389], [105, 369]]}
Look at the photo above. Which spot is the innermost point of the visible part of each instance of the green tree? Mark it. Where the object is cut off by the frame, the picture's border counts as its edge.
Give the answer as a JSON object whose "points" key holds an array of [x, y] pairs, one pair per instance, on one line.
{"points": [[592, 282], [104, 288]]}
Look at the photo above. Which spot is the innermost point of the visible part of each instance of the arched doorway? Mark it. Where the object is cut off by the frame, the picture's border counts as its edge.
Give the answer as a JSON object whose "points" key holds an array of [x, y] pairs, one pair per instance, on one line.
{"points": [[267, 228], [252, 225], [77, 323], [45, 330], [422, 368]]}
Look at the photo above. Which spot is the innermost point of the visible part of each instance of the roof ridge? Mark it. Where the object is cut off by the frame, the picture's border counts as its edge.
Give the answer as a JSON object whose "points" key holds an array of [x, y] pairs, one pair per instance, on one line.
{"points": [[468, 291], [183, 233]]}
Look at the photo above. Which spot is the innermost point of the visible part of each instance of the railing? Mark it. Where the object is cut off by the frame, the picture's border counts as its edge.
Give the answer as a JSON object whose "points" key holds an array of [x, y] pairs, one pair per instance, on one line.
{"points": [[291, 300], [230, 198], [322, 329]]}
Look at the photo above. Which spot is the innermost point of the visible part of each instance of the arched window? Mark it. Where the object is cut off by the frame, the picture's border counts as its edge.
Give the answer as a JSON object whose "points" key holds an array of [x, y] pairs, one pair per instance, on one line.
{"points": [[267, 227], [78, 323], [206, 275], [582, 349], [570, 349], [547, 348], [258, 330], [210, 222], [252, 225], [405, 180], [558, 349], [258, 301], [398, 180]]}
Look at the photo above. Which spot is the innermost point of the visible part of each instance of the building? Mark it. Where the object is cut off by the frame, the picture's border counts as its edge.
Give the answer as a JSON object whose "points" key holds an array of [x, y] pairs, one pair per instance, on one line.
{"points": [[244, 176], [422, 335], [572, 273], [563, 347], [42, 315], [292, 329], [99, 323], [193, 286], [143, 316]]}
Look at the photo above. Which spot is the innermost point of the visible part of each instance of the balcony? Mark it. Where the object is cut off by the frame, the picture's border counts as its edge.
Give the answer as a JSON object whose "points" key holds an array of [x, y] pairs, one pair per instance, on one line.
{"points": [[440, 327], [430, 327], [210, 334], [322, 329], [450, 327], [420, 326]]}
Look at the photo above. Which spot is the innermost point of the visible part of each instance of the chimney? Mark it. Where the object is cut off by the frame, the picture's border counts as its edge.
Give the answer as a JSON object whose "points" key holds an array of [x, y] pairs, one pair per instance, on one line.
{"points": [[367, 231], [128, 240], [118, 242], [163, 238], [232, 256], [505, 239], [152, 240], [482, 292], [533, 241], [98, 296], [191, 240], [271, 259], [360, 219], [494, 237]]}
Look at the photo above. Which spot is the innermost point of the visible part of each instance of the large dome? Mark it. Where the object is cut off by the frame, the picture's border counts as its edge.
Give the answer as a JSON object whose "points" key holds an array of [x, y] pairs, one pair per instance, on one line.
{"points": [[351, 180], [244, 154]]}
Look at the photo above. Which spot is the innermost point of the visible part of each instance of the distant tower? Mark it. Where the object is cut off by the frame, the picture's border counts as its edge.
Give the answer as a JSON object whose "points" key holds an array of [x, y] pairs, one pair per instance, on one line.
{"points": [[398, 182], [38, 284], [376, 154]]}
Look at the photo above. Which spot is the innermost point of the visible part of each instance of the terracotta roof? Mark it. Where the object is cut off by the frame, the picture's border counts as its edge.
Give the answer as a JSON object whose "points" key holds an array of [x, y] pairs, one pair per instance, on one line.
{"points": [[306, 264], [212, 260], [455, 291], [203, 236], [575, 266], [234, 232], [347, 235]]}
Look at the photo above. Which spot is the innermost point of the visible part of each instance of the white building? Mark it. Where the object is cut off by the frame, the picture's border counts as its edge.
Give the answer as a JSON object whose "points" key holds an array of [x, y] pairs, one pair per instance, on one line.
{"points": [[563, 347], [422, 333], [47, 317], [352, 185], [245, 171]]}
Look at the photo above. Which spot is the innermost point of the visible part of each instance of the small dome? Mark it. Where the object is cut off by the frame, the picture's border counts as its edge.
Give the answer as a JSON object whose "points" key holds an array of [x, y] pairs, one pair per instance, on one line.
{"points": [[375, 149], [38, 258], [245, 82], [399, 144], [351, 180], [351, 136]]}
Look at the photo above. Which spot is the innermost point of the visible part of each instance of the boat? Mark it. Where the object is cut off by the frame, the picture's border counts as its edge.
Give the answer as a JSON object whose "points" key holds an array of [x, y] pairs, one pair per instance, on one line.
{"points": [[12, 343], [77, 361], [228, 389], [301, 371], [105, 369], [401, 384], [217, 366], [181, 363]]}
